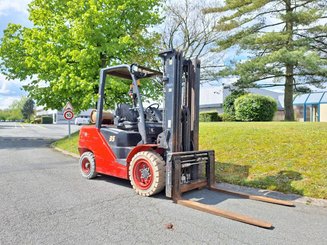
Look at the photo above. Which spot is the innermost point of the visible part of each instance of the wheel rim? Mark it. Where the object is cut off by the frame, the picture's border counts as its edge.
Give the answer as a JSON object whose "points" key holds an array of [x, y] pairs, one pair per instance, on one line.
{"points": [[86, 166], [143, 174]]}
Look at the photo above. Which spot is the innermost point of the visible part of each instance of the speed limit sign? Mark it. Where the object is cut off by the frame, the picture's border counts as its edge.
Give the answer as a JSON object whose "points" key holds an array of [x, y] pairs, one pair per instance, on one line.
{"points": [[68, 115]]}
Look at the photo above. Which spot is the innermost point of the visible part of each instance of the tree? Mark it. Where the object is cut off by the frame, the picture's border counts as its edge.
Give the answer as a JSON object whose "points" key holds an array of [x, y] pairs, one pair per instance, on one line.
{"points": [[69, 43], [187, 29], [28, 109], [14, 112], [229, 107], [285, 41]]}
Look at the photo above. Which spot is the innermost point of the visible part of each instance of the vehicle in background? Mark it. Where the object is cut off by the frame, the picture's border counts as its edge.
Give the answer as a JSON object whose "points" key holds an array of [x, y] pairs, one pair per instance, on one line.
{"points": [[82, 120]]}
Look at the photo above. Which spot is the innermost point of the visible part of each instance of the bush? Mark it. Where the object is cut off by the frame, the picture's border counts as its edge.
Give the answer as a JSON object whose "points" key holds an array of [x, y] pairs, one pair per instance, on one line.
{"points": [[229, 103], [209, 117], [47, 120], [37, 120], [225, 117], [254, 107]]}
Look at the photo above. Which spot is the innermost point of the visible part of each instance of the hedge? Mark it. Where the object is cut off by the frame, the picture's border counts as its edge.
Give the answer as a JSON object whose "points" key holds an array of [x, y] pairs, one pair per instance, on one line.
{"points": [[254, 107], [229, 108], [209, 117]]}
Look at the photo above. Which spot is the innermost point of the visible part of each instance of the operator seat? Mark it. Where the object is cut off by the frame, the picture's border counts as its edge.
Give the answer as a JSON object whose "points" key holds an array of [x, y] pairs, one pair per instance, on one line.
{"points": [[126, 118]]}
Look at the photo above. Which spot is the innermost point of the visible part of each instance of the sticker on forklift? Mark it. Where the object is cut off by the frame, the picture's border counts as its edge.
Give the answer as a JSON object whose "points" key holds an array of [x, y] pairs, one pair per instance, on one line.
{"points": [[169, 123], [112, 138]]}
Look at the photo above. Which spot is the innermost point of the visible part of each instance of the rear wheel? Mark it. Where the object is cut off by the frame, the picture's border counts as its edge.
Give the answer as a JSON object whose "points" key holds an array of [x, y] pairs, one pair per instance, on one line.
{"points": [[147, 173], [87, 165]]}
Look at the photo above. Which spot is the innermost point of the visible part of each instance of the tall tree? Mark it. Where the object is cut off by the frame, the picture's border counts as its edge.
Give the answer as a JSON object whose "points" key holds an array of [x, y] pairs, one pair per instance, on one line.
{"points": [[285, 41], [186, 28], [28, 109], [71, 40], [14, 111]]}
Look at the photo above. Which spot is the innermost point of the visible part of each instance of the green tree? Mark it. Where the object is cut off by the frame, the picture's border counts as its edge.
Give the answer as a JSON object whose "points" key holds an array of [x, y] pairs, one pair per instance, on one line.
{"points": [[14, 112], [229, 107], [28, 109], [71, 40], [285, 41]]}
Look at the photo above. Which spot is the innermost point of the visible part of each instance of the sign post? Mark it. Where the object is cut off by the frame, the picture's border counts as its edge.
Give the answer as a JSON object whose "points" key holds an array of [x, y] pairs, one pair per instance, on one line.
{"points": [[68, 115]]}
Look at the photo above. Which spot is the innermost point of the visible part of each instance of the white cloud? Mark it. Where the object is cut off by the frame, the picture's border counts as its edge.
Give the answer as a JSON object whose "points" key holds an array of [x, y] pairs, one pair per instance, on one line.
{"points": [[5, 102], [10, 90], [16, 5], [3, 87]]}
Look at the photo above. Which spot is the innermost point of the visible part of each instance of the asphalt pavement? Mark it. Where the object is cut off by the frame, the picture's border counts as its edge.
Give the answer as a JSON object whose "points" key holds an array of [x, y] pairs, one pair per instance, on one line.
{"points": [[44, 200]]}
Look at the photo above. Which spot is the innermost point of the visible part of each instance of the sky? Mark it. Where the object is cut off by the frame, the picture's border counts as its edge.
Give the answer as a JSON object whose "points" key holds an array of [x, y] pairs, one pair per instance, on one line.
{"points": [[15, 11], [12, 11]]}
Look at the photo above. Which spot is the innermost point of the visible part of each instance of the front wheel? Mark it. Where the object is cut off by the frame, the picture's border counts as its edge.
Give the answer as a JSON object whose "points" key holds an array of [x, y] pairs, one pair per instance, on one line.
{"points": [[87, 165], [147, 173]]}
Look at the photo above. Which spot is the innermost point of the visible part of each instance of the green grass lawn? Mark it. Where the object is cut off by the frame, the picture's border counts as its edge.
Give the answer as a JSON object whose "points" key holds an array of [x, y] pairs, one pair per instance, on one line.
{"points": [[68, 144], [285, 156], [290, 157]]}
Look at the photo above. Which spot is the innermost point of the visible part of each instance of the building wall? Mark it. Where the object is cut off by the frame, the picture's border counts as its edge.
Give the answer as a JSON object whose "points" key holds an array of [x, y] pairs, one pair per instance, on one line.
{"points": [[299, 113], [323, 112], [279, 116]]}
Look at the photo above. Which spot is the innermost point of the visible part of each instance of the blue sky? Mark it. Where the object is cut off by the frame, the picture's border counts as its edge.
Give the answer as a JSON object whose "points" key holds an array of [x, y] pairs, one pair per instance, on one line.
{"points": [[11, 11]]}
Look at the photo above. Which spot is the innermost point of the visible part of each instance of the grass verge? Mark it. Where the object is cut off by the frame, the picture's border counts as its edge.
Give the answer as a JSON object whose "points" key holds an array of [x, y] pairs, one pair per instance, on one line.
{"points": [[68, 143], [283, 156]]}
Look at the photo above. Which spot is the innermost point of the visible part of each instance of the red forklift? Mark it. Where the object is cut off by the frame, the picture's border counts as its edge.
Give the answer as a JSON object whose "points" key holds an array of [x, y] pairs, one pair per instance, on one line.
{"points": [[156, 149]]}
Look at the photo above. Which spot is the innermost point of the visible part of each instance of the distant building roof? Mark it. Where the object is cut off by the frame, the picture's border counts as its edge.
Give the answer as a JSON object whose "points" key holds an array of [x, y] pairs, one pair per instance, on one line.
{"points": [[311, 98], [279, 97], [214, 96]]}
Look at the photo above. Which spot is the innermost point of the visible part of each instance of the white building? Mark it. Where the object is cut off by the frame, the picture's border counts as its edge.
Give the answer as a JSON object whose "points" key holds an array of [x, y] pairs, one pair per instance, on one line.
{"points": [[58, 116], [213, 97]]}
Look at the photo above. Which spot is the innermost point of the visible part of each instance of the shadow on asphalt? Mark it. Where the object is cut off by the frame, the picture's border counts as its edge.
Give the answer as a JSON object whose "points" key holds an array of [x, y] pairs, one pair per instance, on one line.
{"points": [[125, 183], [204, 195], [23, 142], [113, 180]]}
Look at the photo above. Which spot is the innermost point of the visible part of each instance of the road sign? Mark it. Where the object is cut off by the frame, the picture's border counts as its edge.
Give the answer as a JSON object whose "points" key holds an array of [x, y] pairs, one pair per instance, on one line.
{"points": [[68, 107], [68, 115]]}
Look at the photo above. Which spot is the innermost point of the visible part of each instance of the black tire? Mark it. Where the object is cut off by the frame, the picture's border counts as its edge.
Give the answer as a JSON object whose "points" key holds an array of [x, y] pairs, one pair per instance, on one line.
{"points": [[147, 173], [87, 165]]}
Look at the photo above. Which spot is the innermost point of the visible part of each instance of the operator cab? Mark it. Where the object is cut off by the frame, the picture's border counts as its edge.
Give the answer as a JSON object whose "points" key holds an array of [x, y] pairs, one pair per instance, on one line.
{"points": [[133, 124]]}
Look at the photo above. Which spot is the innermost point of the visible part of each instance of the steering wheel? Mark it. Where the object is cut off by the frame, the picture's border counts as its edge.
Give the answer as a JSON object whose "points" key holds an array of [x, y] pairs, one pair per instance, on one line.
{"points": [[153, 112], [152, 106]]}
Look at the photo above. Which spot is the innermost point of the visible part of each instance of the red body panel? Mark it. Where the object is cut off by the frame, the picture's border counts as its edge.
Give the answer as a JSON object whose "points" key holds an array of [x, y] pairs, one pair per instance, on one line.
{"points": [[90, 139], [137, 149]]}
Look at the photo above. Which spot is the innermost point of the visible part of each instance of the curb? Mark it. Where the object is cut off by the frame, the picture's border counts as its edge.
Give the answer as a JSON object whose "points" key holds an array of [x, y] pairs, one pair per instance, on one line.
{"points": [[65, 152], [310, 201]]}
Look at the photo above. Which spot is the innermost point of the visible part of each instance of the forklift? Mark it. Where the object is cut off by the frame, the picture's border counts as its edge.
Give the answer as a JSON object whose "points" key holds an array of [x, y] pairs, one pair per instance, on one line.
{"points": [[157, 149]]}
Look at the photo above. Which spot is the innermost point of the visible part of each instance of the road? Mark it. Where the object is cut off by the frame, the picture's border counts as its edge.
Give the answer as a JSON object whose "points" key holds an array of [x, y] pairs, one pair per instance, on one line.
{"points": [[44, 200]]}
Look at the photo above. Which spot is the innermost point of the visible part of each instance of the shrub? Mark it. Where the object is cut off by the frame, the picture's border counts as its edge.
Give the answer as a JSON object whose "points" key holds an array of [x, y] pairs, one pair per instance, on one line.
{"points": [[254, 107], [209, 117], [37, 120], [228, 105], [225, 117]]}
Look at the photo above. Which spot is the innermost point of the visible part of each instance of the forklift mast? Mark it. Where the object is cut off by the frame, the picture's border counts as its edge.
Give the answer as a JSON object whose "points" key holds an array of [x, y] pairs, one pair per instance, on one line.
{"points": [[180, 137], [181, 102]]}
